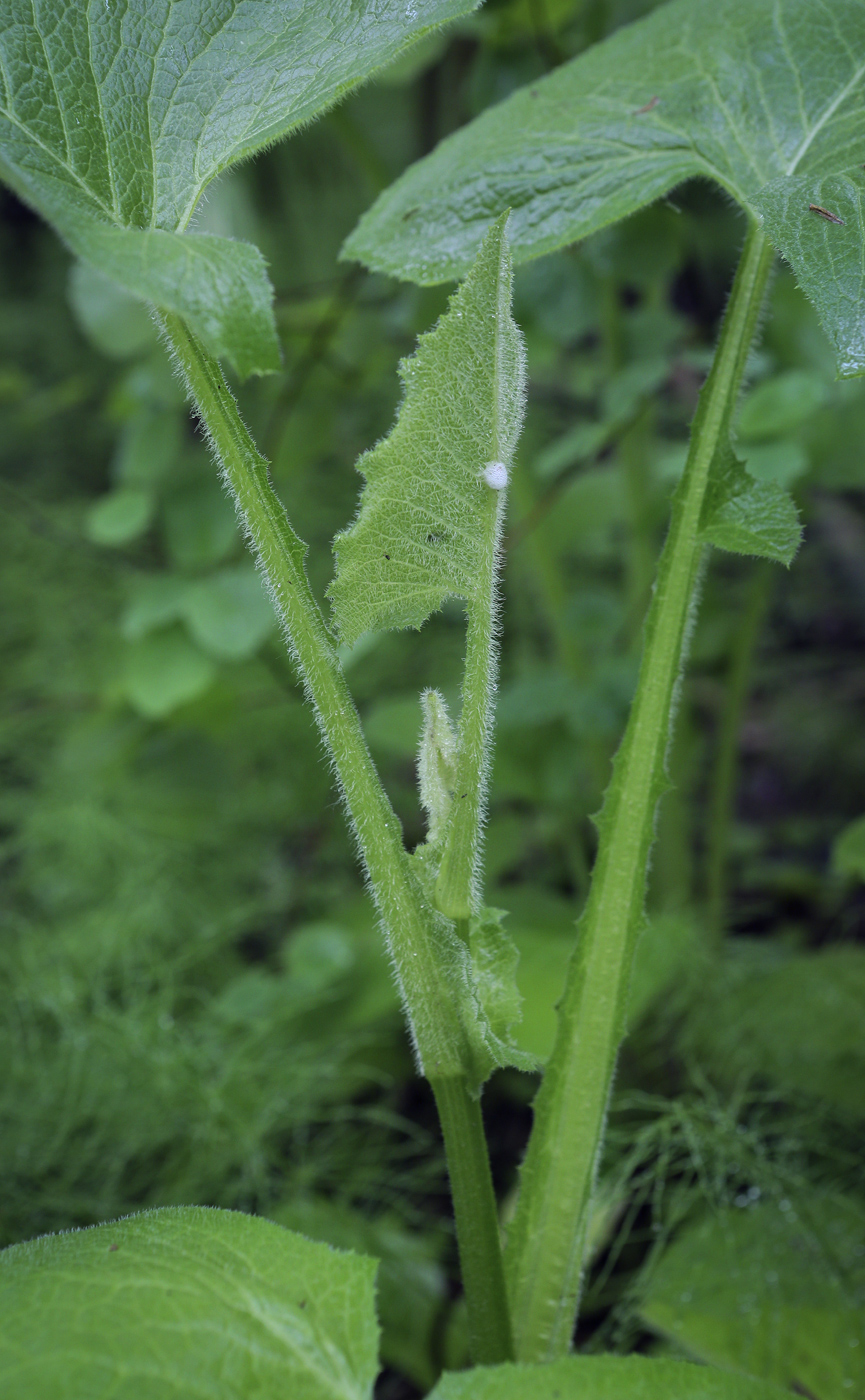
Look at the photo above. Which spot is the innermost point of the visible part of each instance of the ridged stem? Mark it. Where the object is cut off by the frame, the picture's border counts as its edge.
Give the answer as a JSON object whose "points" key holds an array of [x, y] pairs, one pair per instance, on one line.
{"points": [[547, 1239]]}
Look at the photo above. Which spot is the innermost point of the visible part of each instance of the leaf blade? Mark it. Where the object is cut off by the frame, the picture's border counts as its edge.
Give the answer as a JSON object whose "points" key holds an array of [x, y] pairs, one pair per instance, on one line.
{"points": [[773, 1291], [186, 1300], [746, 516], [828, 258], [118, 118], [427, 511], [743, 92]]}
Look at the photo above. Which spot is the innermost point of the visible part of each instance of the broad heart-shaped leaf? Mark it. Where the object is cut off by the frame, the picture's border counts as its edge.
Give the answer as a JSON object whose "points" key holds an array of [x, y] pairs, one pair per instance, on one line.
{"points": [[115, 118], [764, 97], [431, 506], [601, 1378], [747, 516], [776, 1290], [186, 1302]]}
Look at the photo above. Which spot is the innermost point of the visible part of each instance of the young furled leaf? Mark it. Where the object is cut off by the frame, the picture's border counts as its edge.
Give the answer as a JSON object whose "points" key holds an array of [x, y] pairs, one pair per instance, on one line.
{"points": [[494, 959], [763, 97], [431, 509], [436, 763], [115, 118]]}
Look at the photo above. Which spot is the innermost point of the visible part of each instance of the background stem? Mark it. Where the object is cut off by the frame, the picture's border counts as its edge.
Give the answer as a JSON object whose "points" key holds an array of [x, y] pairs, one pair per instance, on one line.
{"points": [[546, 1244], [724, 772]]}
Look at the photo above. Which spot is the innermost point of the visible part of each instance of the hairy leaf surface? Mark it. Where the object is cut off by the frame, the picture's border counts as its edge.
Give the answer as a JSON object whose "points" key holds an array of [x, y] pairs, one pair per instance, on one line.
{"points": [[428, 517], [115, 118], [186, 1302], [747, 516], [828, 258], [763, 97], [601, 1378]]}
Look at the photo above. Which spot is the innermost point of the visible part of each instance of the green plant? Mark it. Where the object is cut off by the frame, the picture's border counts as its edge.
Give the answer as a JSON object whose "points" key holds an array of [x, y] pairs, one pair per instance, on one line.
{"points": [[607, 134]]}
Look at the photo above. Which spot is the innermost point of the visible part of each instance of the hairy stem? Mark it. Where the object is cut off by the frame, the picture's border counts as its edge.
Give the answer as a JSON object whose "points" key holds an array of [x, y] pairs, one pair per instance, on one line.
{"points": [[419, 940], [723, 782], [546, 1243], [457, 886], [475, 1204]]}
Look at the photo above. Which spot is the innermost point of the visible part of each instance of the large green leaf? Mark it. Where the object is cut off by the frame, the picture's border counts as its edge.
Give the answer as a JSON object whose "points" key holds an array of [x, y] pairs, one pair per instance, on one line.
{"points": [[428, 510], [775, 1291], [764, 97], [601, 1378], [114, 119], [186, 1302], [412, 1285]]}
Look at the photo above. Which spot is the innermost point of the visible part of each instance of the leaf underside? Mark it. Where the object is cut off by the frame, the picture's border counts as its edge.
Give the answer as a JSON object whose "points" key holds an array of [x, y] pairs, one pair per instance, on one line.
{"points": [[763, 97], [186, 1302], [115, 118], [829, 258], [427, 515]]}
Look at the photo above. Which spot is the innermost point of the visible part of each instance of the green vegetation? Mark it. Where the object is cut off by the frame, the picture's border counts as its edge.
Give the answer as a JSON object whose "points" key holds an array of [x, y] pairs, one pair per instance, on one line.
{"points": [[204, 1006]]}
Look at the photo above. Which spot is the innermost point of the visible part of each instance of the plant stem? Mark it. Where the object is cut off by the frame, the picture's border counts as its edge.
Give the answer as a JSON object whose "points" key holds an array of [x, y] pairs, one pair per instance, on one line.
{"points": [[420, 941], [475, 1206], [457, 887], [723, 781], [546, 1243]]}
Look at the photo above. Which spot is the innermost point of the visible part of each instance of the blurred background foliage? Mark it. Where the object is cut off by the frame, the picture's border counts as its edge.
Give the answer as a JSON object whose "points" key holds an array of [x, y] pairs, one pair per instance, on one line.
{"points": [[196, 1007]]}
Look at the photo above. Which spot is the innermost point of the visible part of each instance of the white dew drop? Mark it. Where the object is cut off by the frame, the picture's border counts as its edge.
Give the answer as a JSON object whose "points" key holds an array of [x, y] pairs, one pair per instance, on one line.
{"points": [[495, 474]]}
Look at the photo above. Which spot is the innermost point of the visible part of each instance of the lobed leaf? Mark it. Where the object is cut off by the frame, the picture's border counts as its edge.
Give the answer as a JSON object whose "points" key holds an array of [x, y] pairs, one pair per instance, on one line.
{"points": [[763, 97], [186, 1302], [428, 515], [114, 120], [601, 1378]]}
